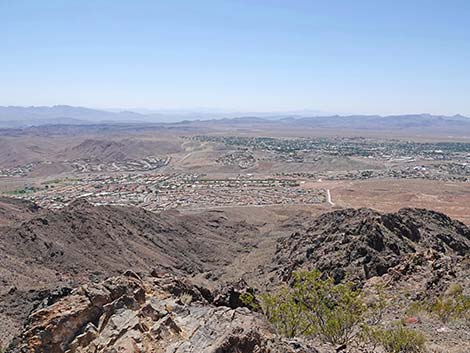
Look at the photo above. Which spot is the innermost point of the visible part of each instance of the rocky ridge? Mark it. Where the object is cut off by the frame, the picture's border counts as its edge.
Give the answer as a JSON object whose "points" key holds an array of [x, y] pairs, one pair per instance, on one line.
{"points": [[83, 243], [358, 244], [414, 250], [153, 314]]}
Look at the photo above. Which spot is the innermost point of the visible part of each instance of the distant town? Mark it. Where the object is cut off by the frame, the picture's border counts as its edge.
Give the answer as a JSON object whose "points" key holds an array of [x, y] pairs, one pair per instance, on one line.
{"points": [[165, 182], [160, 192]]}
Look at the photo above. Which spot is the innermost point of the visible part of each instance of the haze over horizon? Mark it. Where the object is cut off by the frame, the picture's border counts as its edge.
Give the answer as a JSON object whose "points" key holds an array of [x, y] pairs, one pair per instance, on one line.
{"points": [[196, 113], [240, 56]]}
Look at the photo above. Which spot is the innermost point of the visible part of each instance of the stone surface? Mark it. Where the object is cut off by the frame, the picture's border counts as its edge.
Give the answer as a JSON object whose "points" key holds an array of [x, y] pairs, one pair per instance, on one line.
{"points": [[128, 314]]}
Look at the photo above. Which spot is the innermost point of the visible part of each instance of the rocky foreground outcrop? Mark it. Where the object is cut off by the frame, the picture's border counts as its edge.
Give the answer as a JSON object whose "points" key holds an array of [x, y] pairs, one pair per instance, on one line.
{"points": [[158, 313], [358, 244]]}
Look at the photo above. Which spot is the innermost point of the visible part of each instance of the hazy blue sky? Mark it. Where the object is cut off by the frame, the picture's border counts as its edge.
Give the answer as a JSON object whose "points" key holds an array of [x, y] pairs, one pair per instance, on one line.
{"points": [[372, 56]]}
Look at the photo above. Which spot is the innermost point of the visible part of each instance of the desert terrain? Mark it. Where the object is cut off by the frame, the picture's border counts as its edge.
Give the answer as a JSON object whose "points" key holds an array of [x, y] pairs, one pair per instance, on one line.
{"points": [[222, 207]]}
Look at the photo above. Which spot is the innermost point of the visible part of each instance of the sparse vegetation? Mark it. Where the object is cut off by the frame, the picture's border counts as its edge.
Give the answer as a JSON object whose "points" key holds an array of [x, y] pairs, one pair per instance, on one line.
{"points": [[316, 306], [398, 339], [453, 304], [22, 191], [417, 308], [285, 313], [53, 181], [250, 301], [337, 314], [186, 298]]}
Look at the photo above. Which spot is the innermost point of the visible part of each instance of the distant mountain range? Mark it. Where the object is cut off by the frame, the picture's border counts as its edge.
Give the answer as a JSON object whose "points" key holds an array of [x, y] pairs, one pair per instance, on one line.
{"points": [[375, 122], [24, 117], [15, 117]]}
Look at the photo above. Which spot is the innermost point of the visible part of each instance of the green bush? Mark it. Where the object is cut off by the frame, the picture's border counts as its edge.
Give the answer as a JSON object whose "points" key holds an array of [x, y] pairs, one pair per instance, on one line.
{"points": [[250, 301], [453, 304], [316, 306], [286, 314], [337, 314], [416, 308], [398, 339]]}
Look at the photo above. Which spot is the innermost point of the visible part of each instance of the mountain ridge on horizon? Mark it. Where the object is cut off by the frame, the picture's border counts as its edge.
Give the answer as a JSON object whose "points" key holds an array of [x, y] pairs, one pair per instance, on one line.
{"points": [[14, 117], [72, 110]]}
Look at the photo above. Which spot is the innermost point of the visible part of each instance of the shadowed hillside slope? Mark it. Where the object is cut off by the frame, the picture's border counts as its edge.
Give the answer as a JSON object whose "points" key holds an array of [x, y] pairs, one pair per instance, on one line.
{"points": [[83, 242]]}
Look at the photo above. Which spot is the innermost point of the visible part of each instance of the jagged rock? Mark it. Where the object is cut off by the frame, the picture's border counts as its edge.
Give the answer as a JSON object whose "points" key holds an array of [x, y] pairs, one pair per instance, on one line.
{"points": [[229, 294], [130, 314], [53, 296], [358, 244]]}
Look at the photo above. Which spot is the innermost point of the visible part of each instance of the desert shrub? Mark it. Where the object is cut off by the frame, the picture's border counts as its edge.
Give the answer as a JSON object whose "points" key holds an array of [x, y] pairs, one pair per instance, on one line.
{"points": [[453, 304], [316, 306], [286, 314], [186, 298], [398, 339], [417, 308], [250, 301], [338, 314]]}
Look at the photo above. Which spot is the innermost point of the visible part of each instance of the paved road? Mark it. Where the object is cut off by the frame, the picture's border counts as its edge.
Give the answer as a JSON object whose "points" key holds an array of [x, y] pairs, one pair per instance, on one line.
{"points": [[185, 157], [328, 197]]}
